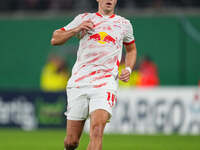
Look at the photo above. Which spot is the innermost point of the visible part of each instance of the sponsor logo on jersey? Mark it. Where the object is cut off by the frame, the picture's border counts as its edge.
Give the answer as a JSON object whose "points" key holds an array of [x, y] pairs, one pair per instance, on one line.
{"points": [[102, 38]]}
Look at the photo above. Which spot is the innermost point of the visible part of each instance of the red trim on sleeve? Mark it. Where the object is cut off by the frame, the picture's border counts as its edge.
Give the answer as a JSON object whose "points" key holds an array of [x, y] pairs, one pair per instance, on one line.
{"points": [[125, 43], [63, 29]]}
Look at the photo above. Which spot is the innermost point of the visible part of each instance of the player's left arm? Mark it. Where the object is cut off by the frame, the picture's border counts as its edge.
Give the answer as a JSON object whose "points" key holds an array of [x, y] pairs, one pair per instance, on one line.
{"points": [[130, 60]]}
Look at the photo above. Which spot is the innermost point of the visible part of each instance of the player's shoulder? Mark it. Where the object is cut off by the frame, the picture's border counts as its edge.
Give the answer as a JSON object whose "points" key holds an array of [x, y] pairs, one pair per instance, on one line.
{"points": [[123, 20], [85, 15]]}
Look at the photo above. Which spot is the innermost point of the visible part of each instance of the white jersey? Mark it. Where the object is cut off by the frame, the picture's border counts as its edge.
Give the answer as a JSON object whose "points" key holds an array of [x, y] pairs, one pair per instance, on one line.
{"points": [[100, 50]]}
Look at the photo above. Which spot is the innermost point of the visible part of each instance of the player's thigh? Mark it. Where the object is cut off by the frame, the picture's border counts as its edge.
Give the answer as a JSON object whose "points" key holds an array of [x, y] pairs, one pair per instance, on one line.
{"points": [[99, 116], [98, 120], [74, 129]]}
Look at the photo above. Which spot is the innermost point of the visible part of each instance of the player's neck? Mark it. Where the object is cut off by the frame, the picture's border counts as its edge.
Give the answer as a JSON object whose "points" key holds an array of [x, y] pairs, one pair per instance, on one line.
{"points": [[106, 13]]}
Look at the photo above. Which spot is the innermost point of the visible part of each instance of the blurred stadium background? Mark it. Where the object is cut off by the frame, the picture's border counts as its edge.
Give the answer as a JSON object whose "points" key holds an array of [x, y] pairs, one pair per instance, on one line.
{"points": [[158, 109]]}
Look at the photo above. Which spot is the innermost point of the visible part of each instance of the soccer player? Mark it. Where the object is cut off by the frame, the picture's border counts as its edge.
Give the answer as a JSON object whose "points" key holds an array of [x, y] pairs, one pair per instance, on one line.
{"points": [[91, 90]]}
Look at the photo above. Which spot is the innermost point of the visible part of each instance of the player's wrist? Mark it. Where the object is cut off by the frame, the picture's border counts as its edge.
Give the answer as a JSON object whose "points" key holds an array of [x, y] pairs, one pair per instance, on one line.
{"points": [[129, 69], [76, 30]]}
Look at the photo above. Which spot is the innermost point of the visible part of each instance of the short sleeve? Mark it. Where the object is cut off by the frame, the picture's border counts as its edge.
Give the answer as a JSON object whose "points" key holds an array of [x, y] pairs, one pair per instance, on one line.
{"points": [[128, 36], [73, 24]]}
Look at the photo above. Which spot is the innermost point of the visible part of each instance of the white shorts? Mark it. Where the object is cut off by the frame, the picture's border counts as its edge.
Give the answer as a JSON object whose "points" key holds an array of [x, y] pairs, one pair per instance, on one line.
{"points": [[83, 101]]}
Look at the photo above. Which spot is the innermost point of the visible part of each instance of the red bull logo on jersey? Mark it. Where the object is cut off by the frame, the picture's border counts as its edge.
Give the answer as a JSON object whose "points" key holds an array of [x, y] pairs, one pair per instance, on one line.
{"points": [[102, 38]]}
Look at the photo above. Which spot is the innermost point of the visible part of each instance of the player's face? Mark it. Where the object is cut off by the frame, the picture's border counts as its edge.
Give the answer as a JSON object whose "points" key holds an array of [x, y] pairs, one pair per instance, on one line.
{"points": [[107, 5]]}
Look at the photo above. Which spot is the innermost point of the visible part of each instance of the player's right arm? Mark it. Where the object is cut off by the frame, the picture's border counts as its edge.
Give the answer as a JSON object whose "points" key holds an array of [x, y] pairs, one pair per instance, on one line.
{"points": [[61, 36]]}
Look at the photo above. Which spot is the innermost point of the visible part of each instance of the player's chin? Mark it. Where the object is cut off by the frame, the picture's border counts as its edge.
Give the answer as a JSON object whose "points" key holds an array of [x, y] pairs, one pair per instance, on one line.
{"points": [[108, 9]]}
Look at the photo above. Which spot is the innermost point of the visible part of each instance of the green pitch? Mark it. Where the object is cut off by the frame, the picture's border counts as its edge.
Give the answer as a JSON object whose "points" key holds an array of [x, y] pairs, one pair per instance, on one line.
{"points": [[52, 139]]}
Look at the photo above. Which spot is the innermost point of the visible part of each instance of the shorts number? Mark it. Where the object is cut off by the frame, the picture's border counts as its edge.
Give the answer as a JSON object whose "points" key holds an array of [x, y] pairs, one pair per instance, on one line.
{"points": [[112, 99]]}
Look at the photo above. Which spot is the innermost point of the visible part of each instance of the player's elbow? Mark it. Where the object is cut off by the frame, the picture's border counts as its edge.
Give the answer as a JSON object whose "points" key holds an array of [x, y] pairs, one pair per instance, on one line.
{"points": [[57, 38], [53, 42]]}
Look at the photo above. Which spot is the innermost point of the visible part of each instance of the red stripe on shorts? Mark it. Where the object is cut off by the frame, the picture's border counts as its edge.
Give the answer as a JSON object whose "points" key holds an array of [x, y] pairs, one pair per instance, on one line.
{"points": [[108, 98], [113, 98]]}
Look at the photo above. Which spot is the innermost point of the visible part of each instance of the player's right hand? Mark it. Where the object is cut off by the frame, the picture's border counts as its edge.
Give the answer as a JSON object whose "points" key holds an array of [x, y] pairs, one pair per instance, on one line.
{"points": [[125, 75], [85, 26]]}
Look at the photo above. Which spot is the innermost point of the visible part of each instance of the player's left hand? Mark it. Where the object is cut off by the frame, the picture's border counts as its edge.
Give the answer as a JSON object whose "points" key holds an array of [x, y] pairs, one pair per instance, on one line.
{"points": [[125, 75]]}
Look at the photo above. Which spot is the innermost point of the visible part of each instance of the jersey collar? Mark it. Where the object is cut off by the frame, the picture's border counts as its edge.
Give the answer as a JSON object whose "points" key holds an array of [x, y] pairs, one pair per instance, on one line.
{"points": [[98, 14]]}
